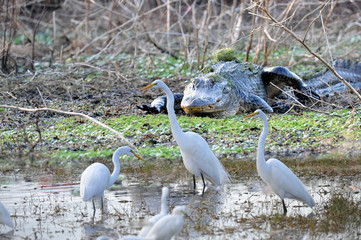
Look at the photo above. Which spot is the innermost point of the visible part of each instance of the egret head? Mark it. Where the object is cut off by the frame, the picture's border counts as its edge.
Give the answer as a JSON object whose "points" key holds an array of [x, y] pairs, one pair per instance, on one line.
{"points": [[155, 84], [179, 210], [258, 113], [128, 151]]}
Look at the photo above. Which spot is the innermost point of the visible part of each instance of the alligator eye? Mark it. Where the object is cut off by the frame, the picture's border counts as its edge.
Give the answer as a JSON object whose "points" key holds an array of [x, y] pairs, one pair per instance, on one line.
{"points": [[193, 84], [211, 82], [218, 100], [226, 90]]}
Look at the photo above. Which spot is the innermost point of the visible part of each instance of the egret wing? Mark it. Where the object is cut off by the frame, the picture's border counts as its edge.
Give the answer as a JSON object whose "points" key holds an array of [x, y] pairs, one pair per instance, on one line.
{"points": [[199, 155], [285, 183], [150, 223], [94, 181], [166, 227]]}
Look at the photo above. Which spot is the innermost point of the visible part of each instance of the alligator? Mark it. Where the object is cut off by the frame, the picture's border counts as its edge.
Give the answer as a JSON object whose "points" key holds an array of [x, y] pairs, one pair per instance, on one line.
{"points": [[231, 87]]}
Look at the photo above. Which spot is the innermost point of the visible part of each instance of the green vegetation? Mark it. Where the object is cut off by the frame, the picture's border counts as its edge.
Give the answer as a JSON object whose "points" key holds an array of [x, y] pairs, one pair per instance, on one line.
{"points": [[162, 66], [329, 139], [224, 54]]}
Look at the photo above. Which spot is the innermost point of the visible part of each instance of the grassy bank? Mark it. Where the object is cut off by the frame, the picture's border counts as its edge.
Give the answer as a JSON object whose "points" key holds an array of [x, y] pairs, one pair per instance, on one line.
{"points": [[314, 139]]}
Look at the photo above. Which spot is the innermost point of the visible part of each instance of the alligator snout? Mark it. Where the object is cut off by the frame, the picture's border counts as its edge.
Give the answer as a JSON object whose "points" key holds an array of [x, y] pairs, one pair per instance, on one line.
{"points": [[203, 105], [197, 102]]}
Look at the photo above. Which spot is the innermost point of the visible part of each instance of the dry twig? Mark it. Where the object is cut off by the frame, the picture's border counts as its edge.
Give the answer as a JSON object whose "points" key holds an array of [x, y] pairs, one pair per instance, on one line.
{"points": [[71, 114], [299, 104], [209, 13], [308, 49]]}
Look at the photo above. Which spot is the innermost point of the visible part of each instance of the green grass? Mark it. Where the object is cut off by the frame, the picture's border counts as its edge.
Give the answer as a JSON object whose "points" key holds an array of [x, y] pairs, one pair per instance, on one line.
{"points": [[74, 138]]}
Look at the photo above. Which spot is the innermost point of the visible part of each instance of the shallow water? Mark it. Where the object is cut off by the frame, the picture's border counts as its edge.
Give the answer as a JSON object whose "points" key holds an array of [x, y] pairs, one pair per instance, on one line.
{"points": [[47, 207]]}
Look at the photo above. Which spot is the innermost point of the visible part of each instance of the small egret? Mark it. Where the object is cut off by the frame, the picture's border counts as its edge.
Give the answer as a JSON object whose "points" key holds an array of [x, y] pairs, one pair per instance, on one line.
{"points": [[197, 156], [163, 212], [277, 175], [168, 226], [5, 217], [96, 178]]}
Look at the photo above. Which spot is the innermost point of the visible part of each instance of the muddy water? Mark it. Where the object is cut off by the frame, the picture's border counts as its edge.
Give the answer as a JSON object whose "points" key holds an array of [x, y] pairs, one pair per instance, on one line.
{"points": [[47, 207]]}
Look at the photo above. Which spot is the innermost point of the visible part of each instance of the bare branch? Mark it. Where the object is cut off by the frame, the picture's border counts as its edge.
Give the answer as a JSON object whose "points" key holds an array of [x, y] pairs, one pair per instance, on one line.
{"points": [[310, 50], [72, 114], [209, 11], [300, 104], [309, 26]]}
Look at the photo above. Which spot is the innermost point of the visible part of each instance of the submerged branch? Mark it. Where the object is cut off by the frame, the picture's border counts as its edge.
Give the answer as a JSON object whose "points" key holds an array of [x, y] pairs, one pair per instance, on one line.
{"points": [[72, 114]]}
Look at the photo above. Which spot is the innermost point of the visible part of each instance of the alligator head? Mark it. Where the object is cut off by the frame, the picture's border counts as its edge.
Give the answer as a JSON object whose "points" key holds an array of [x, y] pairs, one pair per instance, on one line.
{"points": [[209, 95]]}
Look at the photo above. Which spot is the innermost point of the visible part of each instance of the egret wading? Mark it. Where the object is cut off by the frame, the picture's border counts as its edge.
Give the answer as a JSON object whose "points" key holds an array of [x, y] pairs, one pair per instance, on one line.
{"points": [[96, 178], [277, 175], [197, 156], [163, 212]]}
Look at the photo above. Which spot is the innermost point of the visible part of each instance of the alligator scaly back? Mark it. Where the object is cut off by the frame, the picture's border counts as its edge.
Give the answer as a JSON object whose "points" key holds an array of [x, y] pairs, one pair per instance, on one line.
{"points": [[327, 84]]}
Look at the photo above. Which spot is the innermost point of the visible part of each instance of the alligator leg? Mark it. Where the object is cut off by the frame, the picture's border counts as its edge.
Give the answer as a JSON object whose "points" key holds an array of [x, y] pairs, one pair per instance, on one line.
{"points": [[306, 92], [148, 108], [250, 102], [276, 78], [159, 105]]}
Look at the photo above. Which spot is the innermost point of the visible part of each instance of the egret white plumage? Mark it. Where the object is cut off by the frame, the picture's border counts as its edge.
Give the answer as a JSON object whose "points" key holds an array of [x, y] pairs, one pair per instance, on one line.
{"points": [[168, 226], [277, 175], [197, 156], [96, 178], [5, 217], [163, 212]]}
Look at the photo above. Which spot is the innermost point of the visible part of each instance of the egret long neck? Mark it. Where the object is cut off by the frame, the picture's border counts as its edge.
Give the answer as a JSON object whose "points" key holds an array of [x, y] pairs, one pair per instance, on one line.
{"points": [[164, 206], [261, 161], [176, 130], [116, 170]]}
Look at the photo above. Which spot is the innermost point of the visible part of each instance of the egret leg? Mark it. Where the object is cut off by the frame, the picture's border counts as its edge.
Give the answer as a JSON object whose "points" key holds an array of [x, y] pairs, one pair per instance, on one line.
{"points": [[284, 207], [93, 207], [102, 203], [194, 182], [204, 183]]}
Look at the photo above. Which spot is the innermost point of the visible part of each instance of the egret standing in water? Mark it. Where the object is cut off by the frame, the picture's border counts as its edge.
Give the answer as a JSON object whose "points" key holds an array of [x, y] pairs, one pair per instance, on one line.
{"points": [[197, 156], [5, 217], [168, 226], [163, 212], [277, 175], [96, 178]]}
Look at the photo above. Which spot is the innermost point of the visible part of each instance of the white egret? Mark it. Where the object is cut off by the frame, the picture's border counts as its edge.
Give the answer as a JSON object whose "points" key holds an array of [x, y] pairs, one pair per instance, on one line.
{"points": [[163, 212], [96, 178], [277, 175], [168, 226], [197, 156], [5, 217]]}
